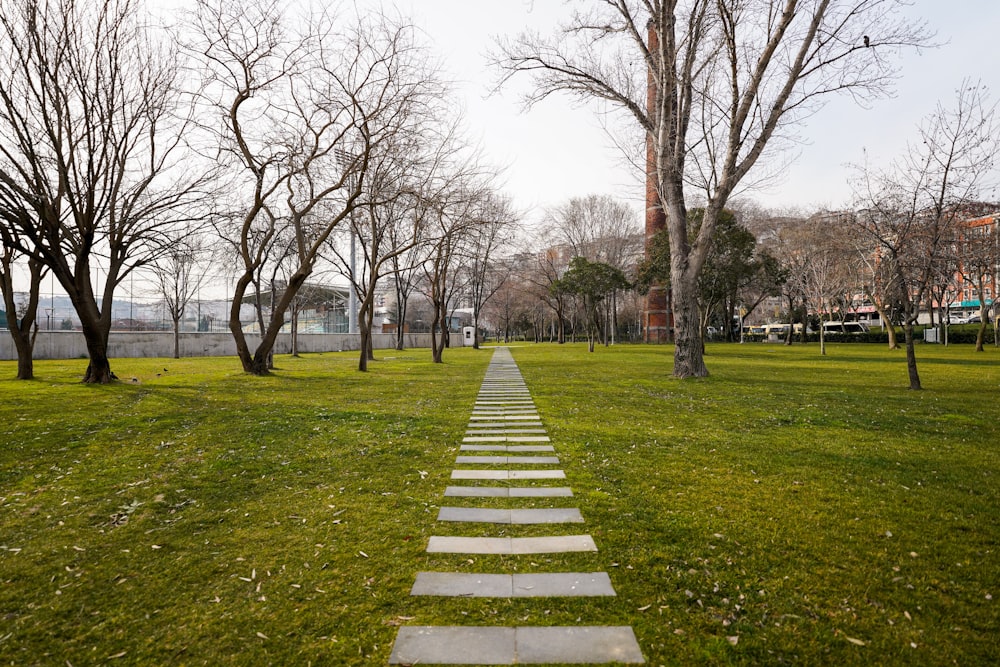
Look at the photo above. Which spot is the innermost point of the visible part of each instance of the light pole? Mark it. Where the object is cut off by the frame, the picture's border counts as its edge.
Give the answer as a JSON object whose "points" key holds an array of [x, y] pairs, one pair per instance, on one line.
{"points": [[352, 297]]}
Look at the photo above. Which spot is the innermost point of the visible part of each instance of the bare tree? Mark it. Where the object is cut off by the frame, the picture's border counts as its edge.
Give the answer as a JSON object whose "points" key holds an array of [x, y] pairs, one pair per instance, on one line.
{"points": [[486, 274], [452, 217], [294, 98], [909, 212], [979, 256], [599, 228], [21, 318], [179, 274], [712, 83], [406, 173], [92, 117]]}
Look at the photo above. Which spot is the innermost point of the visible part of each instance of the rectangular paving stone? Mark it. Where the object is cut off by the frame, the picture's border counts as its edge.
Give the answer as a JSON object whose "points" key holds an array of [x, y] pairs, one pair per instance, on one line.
{"points": [[505, 516], [438, 544], [480, 474], [462, 584], [507, 448], [489, 460], [508, 492], [537, 474], [502, 424], [528, 438], [552, 544], [505, 418], [453, 645], [508, 474], [540, 492], [539, 460], [503, 460], [477, 645], [514, 403], [506, 431], [473, 514], [477, 491], [510, 545], [563, 584], [556, 584], [551, 515], [485, 438], [577, 645]]}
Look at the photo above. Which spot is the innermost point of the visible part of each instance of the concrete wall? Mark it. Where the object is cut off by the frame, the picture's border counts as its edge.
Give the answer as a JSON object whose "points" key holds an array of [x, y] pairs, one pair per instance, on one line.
{"points": [[70, 344]]}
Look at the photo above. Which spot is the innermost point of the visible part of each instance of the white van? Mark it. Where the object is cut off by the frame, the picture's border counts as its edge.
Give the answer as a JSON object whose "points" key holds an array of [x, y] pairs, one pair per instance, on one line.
{"points": [[845, 328]]}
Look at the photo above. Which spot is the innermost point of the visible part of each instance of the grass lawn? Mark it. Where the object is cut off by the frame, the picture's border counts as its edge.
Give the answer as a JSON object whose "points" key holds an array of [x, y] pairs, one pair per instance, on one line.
{"points": [[790, 508]]}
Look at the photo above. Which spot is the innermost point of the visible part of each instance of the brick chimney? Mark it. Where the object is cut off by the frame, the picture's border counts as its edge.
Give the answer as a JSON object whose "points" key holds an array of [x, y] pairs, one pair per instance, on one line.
{"points": [[656, 316]]}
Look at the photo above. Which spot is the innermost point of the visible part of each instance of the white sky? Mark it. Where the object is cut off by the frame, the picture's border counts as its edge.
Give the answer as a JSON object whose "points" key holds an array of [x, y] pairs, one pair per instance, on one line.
{"points": [[556, 151]]}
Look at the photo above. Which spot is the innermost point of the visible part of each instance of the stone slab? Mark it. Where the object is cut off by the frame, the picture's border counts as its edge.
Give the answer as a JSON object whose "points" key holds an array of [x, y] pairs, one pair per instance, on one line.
{"points": [[461, 584], [537, 474], [507, 431], [577, 645], [528, 438], [510, 545], [505, 418], [480, 474], [562, 584], [545, 515], [510, 516], [503, 460], [552, 544], [453, 645], [473, 515], [485, 438], [477, 645], [555, 584], [503, 425], [541, 492], [532, 460], [507, 448], [508, 492], [508, 474], [477, 492]]}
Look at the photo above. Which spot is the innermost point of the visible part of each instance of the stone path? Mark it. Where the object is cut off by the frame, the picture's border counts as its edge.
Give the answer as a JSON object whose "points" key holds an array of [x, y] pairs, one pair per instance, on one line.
{"points": [[505, 413]]}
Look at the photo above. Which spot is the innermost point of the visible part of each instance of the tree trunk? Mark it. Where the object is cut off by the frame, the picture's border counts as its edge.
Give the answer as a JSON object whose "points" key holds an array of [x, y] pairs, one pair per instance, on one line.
{"points": [[981, 334], [363, 355], [295, 327], [95, 330], [99, 368], [689, 361], [890, 329], [177, 337], [400, 322], [21, 332], [911, 356]]}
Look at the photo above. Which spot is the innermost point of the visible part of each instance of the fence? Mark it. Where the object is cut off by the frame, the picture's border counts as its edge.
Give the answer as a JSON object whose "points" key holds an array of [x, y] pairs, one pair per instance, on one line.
{"points": [[121, 345]]}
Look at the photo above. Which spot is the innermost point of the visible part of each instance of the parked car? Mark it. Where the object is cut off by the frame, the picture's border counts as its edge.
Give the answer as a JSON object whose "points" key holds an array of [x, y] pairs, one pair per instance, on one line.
{"points": [[845, 328]]}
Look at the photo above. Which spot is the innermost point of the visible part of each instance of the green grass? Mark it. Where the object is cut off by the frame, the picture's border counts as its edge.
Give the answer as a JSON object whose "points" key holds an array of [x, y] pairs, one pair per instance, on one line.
{"points": [[811, 507]]}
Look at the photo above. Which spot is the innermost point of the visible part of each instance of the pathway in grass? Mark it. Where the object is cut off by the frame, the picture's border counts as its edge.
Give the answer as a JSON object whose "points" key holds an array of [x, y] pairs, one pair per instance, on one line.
{"points": [[504, 413]]}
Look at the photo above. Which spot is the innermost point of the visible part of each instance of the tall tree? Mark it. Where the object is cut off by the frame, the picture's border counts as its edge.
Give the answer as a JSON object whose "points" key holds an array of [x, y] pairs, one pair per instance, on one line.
{"points": [[712, 83], [93, 172]]}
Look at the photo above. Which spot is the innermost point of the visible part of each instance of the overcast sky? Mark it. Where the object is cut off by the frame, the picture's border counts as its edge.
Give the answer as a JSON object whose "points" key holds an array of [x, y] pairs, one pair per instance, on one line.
{"points": [[556, 151]]}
